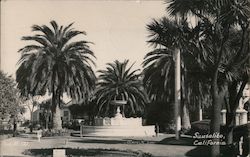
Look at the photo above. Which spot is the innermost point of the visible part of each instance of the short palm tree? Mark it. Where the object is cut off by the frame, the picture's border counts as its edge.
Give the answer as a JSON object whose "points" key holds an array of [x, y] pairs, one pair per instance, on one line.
{"points": [[120, 82], [56, 64]]}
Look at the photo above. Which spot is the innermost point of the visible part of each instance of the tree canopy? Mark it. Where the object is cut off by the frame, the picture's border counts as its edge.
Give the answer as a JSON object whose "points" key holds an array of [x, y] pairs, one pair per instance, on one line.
{"points": [[165, 35], [10, 101], [221, 47], [56, 63], [119, 82]]}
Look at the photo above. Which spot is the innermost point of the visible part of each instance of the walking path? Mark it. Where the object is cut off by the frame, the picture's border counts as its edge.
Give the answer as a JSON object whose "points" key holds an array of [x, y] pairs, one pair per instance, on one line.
{"points": [[16, 146]]}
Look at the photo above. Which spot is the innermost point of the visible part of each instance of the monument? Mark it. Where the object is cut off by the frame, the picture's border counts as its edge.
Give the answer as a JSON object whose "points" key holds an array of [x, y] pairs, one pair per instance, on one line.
{"points": [[118, 125], [241, 114]]}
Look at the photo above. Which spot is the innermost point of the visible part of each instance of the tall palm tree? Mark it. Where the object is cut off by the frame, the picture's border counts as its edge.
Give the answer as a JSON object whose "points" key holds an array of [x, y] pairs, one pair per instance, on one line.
{"points": [[217, 22], [159, 66], [120, 82], [56, 64]]}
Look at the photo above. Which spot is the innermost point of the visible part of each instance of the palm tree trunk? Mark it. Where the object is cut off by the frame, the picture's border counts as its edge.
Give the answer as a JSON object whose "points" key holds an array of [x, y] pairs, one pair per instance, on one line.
{"points": [[185, 117], [230, 114], [216, 117], [200, 112], [57, 122], [230, 123], [177, 93], [215, 125], [47, 120], [215, 121], [31, 121]]}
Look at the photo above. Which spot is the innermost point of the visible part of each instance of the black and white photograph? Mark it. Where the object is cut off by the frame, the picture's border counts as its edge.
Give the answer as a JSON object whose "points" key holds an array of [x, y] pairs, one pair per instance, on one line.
{"points": [[124, 78]]}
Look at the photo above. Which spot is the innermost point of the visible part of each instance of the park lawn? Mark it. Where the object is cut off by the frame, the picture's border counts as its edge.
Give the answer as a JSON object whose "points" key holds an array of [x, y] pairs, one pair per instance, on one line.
{"points": [[79, 152]]}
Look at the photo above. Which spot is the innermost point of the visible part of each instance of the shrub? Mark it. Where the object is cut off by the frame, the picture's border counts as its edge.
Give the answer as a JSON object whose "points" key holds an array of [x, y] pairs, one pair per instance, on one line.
{"points": [[51, 133], [5, 132], [203, 127], [170, 128], [26, 123], [67, 125], [75, 125], [34, 125]]}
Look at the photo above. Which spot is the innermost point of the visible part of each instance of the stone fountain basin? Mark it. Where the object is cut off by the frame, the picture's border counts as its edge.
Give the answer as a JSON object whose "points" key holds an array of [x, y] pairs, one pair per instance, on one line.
{"points": [[118, 126], [119, 130]]}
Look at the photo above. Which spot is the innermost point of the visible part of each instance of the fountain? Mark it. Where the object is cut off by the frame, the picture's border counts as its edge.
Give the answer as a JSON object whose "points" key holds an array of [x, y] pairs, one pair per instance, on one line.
{"points": [[118, 125]]}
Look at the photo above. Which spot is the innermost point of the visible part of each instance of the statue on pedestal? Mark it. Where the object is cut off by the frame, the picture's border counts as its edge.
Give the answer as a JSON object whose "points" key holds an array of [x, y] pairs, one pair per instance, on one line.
{"points": [[245, 98], [241, 112]]}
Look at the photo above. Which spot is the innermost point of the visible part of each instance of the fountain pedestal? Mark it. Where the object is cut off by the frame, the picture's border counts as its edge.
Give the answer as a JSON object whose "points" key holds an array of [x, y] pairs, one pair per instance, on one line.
{"points": [[118, 113]]}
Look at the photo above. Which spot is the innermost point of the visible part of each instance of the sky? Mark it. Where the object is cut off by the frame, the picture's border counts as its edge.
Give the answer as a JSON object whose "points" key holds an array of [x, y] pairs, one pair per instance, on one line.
{"points": [[116, 27]]}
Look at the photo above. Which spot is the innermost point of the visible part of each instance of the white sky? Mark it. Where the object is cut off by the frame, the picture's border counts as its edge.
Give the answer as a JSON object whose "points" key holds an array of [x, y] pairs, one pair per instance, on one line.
{"points": [[118, 28]]}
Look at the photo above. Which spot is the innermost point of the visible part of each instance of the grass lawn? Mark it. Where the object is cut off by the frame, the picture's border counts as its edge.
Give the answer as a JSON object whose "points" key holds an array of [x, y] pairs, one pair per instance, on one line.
{"points": [[71, 152]]}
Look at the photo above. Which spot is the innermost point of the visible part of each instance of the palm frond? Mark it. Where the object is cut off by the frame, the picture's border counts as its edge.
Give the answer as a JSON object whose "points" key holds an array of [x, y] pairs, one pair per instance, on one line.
{"points": [[119, 81], [56, 64]]}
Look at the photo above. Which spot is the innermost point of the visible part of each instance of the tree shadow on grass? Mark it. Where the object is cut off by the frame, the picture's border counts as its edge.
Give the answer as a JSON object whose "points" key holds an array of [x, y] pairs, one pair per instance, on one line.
{"points": [[205, 151], [199, 151], [99, 141], [183, 141], [47, 152], [10, 156], [123, 141]]}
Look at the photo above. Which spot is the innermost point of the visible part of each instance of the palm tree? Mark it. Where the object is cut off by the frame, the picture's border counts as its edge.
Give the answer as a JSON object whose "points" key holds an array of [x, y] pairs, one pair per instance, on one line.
{"points": [[56, 64], [218, 20], [120, 82], [174, 43], [159, 66]]}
